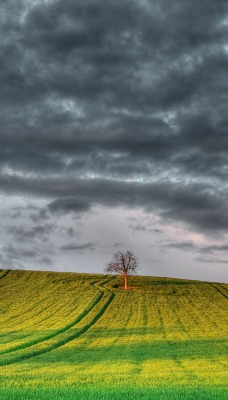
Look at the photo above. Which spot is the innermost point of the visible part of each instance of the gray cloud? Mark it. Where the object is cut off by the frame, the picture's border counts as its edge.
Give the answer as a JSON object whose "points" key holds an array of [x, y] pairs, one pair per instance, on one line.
{"points": [[78, 247], [46, 260], [70, 232], [75, 204], [39, 216], [142, 228], [118, 244], [211, 260], [214, 248], [22, 256], [25, 233], [208, 255], [138, 227], [116, 104], [157, 230], [186, 246], [18, 252], [190, 246]]}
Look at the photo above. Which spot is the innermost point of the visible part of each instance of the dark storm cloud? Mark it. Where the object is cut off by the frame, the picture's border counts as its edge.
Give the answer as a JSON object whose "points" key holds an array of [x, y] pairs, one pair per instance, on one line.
{"points": [[132, 94], [196, 204], [66, 205]]}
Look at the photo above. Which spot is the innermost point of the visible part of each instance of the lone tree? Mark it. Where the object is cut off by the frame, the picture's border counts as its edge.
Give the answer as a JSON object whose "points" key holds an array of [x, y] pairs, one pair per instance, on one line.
{"points": [[123, 264]]}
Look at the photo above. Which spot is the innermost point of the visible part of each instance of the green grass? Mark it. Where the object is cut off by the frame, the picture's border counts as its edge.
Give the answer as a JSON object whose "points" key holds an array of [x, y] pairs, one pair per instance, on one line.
{"points": [[81, 336], [200, 393]]}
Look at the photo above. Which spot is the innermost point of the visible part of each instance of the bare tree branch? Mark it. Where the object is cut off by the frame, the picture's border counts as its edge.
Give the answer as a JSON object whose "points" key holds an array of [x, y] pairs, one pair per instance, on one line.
{"points": [[123, 264]]}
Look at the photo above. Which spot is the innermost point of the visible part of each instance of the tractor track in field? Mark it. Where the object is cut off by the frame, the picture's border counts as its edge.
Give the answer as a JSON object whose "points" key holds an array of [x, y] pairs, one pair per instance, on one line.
{"points": [[58, 331], [32, 342], [63, 330], [223, 287], [5, 274], [220, 289]]}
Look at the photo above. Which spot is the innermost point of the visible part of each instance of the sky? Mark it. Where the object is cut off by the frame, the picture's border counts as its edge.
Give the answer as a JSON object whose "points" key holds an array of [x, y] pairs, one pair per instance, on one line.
{"points": [[113, 135]]}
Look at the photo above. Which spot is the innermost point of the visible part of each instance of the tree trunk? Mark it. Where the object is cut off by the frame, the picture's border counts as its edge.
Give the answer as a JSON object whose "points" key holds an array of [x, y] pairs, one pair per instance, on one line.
{"points": [[125, 281]]}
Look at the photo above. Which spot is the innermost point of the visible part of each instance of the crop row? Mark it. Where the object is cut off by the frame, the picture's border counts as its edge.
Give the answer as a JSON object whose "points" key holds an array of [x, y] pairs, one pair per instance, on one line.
{"points": [[48, 307], [87, 314]]}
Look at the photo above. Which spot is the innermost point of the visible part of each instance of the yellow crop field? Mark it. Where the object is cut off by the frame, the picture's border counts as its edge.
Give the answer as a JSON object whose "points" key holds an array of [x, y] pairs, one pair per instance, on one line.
{"points": [[82, 336]]}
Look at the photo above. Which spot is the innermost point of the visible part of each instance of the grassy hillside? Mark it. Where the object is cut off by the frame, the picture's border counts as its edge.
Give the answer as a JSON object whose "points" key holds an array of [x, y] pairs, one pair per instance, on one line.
{"points": [[81, 336]]}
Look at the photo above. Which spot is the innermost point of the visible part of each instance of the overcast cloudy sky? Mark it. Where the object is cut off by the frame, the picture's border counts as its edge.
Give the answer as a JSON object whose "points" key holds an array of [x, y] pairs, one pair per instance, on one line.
{"points": [[113, 135]]}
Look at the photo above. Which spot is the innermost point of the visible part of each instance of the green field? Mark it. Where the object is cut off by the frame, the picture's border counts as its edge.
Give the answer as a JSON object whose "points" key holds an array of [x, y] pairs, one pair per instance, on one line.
{"points": [[81, 336]]}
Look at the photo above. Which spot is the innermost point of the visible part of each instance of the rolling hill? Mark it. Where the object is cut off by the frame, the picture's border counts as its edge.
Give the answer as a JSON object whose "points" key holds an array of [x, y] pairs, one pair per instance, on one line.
{"points": [[81, 336]]}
